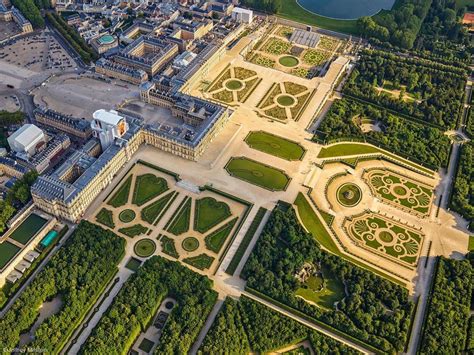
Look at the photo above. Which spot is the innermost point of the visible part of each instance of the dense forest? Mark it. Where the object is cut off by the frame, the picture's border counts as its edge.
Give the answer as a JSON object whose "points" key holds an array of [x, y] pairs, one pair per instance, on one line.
{"points": [[442, 33], [462, 200], [77, 274], [17, 196], [398, 27], [374, 310], [246, 326], [138, 301], [428, 91], [268, 6], [29, 9], [426, 144], [446, 324]]}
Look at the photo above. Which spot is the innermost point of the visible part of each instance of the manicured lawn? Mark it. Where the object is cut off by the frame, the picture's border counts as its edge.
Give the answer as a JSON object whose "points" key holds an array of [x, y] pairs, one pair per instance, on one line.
{"points": [[245, 241], [180, 223], [208, 213], [343, 149], [285, 100], [134, 230], [190, 244], [258, 174], [153, 210], [147, 187], [127, 216], [201, 262], [275, 145], [7, 252], [292, 11], [105, 217], [234, 84], [216, 239], [28, 228], [133, 264], [144, 248], [314, 225], [471, 243], [289, 61], [120, 198], [168, 247]]}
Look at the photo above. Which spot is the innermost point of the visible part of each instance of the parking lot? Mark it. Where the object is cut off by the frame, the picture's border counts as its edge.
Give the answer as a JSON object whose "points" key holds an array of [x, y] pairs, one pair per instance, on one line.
{"points": [[37, 53]]}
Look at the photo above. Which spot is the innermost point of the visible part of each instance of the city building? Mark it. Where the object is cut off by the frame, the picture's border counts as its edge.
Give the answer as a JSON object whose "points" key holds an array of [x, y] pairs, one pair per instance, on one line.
{"points": [[104, 43], [14, 14], [122, 72], [13, 168], [80, 128], [148, 53], [242, 15], [107, 126], [27, 139]]}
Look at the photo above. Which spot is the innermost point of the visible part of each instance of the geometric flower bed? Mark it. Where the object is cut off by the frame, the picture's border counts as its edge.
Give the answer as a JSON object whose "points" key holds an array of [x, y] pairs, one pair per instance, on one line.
{"points": [[385, 237], [285, 101], [234, 85], [400, 191], [348, 194]]}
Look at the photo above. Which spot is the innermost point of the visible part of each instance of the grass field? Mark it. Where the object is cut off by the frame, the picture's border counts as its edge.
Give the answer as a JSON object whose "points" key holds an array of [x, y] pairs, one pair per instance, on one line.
{"points": [[134, 230], [147, 187], [245, 241], [144, 248], [7, 252], [153, 210], [120, 198], [292, 11], [314, 225], [28, 228], [289, 61], [471, 243], [168, 247], [180, 223], [216, 239], [209, 213], [275, 145], [201, 262], [257, 173], [344, 149], [133, 264], [190, 244], [105, 217]]}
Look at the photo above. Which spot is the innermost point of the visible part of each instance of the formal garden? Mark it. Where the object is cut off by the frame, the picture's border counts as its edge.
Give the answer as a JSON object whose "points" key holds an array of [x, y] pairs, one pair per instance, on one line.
{"points": [[275, 145], [399, 190], [144, 248], [234, 85], [258, 174], [285, 101], [349, 194], [385, 237], [277, 52]]}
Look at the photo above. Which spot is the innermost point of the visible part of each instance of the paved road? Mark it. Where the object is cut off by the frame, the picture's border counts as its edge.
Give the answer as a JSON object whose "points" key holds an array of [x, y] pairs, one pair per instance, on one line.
{"points": [[38, 269]]}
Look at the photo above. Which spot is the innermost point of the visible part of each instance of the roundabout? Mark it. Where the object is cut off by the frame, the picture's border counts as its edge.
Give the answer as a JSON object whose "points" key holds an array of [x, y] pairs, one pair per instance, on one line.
{"points": [[127, 216], [144, 248], [190, 244], [349, 194]]}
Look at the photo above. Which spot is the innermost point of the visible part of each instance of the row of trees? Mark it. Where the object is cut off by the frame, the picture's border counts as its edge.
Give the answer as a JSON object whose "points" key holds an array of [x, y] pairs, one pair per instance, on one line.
{"points": [[374, 309], [398, 27], [43, 4], [17, 196], [462, 200], [399, 135], [29, 9], [246, 326], [446, 325], [137, 302], [437, 90], [74, 39], [77, 273], [268, 6]]}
